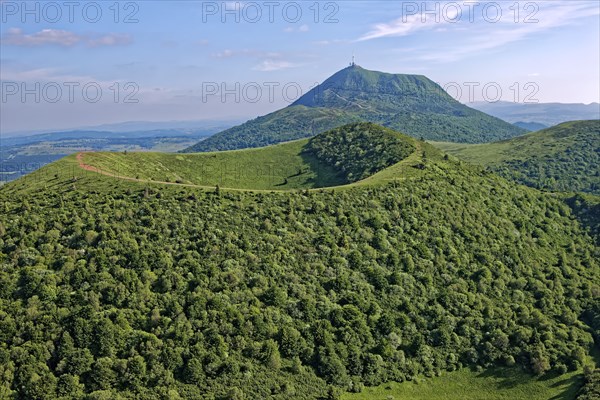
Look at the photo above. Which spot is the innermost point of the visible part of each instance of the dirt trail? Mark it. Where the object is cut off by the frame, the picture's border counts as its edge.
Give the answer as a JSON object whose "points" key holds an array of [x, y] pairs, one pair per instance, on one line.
{"points": [[91, 168], [97, 170]]}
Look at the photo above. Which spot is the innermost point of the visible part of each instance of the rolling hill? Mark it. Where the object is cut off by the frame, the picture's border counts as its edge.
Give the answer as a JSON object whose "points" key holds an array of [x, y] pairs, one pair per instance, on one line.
{"points": [[565, 157], [22, 154], [411, 104], [344, 155], [112, 287]]}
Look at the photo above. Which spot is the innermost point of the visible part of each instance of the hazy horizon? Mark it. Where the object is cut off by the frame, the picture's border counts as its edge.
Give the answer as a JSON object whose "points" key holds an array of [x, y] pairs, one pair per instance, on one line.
{"points": [[188, 61]]}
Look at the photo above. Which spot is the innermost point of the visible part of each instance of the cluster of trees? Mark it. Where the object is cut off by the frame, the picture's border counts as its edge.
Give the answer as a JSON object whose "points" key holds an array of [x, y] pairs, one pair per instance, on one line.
{"points": [[359, 150], [587, 210], [166, 292]]}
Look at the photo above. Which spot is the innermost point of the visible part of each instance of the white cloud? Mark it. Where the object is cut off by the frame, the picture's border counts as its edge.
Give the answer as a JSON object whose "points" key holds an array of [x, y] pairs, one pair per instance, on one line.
{"points": [[58, 37], [267, 61], [398, 27], [109, 40], [252, 53], [551, 16], [408, 24], [482, 35], [42, 76], [301, 28], [273, 65], [329, 42], [224, 54], [16, 37]]}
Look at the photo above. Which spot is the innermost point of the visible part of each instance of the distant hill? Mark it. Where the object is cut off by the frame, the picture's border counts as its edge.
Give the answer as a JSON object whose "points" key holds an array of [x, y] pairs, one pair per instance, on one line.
{"points": [[107, 135], [412, 104], [530, 126], [548, 114], [565, 157], [136, 126]]}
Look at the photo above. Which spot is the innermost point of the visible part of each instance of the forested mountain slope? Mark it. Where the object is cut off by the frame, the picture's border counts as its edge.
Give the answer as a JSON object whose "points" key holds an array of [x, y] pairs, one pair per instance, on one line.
{"points": [[412, 104], [565, 157], [118, 289]]}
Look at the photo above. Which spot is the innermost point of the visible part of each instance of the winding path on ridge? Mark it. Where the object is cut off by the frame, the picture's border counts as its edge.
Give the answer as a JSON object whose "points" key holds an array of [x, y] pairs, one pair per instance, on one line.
{"points": [[97, 170]]}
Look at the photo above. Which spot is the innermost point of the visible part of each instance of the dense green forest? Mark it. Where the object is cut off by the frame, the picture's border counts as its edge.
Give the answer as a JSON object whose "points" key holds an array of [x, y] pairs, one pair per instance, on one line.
{"points": [[587, 209], [565, 157], [412, 104], [360, 150], [116, 289], [591, 387]]}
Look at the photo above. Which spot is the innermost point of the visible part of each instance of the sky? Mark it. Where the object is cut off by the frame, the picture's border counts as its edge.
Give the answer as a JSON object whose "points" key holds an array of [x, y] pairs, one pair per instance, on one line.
{"points": [[68, 64]]}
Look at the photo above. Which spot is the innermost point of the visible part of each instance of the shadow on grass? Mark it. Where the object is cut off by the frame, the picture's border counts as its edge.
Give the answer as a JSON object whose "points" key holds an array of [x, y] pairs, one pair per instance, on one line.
{"points": [[574, 384], [324, 175], [509, 378]]}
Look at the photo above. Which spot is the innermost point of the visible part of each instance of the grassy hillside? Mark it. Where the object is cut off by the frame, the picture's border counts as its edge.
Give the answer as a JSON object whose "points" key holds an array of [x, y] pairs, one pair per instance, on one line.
{"points": [[362, 149], [283, 167], [562, 158], [411, 104], [466, 384], [120, 289]]}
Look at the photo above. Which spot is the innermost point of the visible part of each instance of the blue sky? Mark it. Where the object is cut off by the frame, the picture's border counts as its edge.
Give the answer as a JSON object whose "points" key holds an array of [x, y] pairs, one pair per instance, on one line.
{"points": [[174, 60]]}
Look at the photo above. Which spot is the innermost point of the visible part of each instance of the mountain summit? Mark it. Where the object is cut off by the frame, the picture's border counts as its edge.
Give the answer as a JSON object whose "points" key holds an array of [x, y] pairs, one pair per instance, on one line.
{"points": [[359, 89], [412, 104]]}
